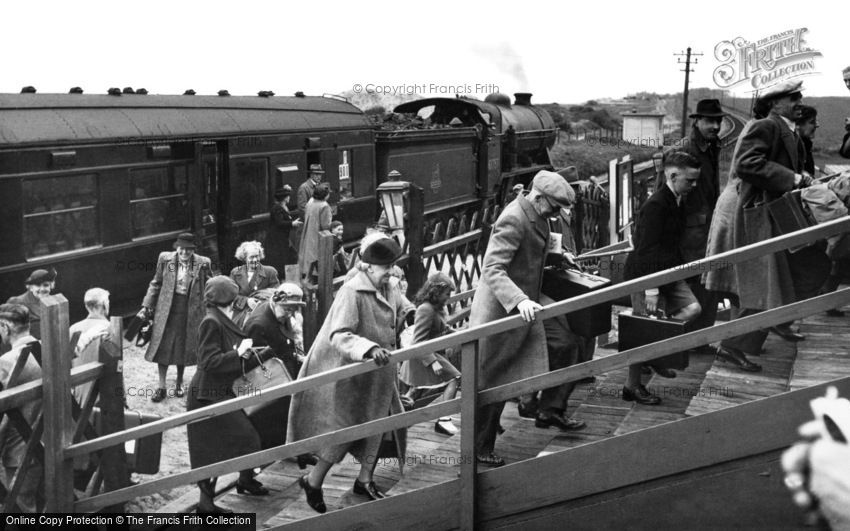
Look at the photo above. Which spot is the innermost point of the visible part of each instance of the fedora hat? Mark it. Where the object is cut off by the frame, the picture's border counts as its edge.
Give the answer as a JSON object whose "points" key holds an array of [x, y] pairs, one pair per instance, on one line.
{"points": [[316, 168], [708, 109], [185, 240]]}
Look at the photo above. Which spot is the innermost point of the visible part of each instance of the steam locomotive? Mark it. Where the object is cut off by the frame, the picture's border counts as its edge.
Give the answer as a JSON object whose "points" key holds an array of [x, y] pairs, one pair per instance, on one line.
{"points": [[96, 186]]}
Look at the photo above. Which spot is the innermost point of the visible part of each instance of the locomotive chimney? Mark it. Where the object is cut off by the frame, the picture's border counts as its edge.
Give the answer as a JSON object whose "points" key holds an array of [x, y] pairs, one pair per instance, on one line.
{"points": [[522, 98]]}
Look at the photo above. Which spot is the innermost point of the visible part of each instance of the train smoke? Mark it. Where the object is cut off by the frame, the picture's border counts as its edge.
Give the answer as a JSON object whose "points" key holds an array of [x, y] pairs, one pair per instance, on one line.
{"points": [[508, 62]]}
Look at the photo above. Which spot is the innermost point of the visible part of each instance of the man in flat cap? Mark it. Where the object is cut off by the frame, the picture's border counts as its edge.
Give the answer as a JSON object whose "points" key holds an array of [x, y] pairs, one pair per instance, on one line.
{"points": [[305, 191], [698, 205], [769, 161], [39, 285], [510, 283]]}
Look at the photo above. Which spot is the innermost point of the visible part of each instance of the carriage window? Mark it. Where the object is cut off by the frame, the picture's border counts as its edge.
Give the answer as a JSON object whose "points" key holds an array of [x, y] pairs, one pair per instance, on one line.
{"points": [[60, 214], [159, 201], [250, 189], [345, 189]]}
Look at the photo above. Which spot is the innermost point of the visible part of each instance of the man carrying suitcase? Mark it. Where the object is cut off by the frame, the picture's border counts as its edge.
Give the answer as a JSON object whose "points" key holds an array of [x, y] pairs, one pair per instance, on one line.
{"points": [[657, 246]]}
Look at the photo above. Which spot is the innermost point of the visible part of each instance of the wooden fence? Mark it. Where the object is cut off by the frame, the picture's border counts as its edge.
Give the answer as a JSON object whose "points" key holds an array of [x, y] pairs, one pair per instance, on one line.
{"points": [[473, 491]]}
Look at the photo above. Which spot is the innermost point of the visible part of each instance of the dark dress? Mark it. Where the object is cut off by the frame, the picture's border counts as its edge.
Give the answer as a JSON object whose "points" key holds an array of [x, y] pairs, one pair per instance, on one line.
{"points": [[279, 249], [228, 435]]}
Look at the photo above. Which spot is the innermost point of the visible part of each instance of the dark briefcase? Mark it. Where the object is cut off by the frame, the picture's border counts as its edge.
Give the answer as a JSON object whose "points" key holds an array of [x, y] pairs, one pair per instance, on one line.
{"points": [[639, 330], [143, 454], [561, 284], [788, 215]]}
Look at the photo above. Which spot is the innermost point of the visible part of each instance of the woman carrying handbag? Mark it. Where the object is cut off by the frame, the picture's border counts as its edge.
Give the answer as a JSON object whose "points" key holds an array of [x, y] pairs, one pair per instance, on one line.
{"points": [[224, 352]]}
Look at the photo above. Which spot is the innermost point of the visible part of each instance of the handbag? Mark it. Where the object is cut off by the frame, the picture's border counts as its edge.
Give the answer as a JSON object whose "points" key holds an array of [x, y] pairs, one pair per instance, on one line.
{"points": [[267, 374]]}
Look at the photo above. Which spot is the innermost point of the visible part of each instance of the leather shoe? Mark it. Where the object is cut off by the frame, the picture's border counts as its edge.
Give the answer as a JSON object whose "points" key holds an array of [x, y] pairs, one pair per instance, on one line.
{"points": [[786, 333], [527, 412], [664, 372], [368, 489], [490, 460], [315, 499], [159, 395], [306, 459], [835, 312], [738, 358], [641, 396], [547, 420], [252, 487]]}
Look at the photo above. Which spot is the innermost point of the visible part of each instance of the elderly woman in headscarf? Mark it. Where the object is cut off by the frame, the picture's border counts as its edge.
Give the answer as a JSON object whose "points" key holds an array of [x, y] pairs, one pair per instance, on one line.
{"points": [[361, 326], [224, 352]]}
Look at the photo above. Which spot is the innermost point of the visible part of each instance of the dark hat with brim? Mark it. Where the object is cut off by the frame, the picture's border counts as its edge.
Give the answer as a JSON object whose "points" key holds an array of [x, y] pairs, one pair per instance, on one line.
{"points": [[39, 276], [288, 294], [384, 251], [316, 168], [220, 290], [708, 109], [186, 240], [282, 192]]}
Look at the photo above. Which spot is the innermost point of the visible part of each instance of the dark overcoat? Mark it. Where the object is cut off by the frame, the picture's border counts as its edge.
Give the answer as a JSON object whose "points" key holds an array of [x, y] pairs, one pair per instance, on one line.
{"points": [[33, 304], [766, 159], [262, 326], [227, 435], [512, 272], [658, 235], [161, 293], [699, 204], [264, 277], [360, 318], [279, 249]]}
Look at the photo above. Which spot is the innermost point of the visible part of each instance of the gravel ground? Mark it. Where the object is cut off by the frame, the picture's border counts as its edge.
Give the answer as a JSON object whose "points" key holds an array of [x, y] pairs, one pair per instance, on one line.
{"points": [[140, 382]]}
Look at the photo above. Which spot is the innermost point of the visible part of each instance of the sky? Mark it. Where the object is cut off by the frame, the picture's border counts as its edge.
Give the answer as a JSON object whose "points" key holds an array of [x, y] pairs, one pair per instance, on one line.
{"points": [[566, 53]]}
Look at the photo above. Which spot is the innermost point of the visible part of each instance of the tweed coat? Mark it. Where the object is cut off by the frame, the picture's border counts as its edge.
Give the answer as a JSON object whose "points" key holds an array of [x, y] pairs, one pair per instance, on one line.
{"points": [[361, 317], [264, 277], [161, 294], [317, 217], [767, 156], [512, 272]]}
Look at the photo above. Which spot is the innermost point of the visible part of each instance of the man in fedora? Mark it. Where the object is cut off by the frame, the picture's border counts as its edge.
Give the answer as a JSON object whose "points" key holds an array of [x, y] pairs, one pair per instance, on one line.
{"points": [[511, 277], [305, 191], [704, 145]]}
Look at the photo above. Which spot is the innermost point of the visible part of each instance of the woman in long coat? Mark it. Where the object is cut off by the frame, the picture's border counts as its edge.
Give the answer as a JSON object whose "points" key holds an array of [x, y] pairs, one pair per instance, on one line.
{"points": [[317, 217], [175, 299], [279, 250], [361, 325], [222, 356]]}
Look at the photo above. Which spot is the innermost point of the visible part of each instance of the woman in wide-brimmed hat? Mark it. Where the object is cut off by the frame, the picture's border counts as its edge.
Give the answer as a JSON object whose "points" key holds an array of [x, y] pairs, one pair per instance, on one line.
{"points": [[175, 300]]}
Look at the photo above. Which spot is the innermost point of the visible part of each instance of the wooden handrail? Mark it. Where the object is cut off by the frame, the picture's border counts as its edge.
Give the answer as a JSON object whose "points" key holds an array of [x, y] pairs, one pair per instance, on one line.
{"points": [[473, 333], [20, 395]]}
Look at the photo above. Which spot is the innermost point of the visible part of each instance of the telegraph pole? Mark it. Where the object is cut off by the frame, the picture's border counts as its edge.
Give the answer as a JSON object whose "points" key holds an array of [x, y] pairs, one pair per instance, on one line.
{"points": [[687, 71]]}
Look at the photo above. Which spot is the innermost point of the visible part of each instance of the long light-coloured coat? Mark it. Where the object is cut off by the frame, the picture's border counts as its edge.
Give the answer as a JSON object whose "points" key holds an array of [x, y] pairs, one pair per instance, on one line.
{"points": [[764, 163], [512, 272], [359, 319], [161, 293], [317, 217]]}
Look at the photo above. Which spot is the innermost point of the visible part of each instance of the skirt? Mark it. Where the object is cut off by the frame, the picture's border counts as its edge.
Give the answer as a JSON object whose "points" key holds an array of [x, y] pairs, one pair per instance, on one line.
{"points": [[221, 437], [172, 347]]}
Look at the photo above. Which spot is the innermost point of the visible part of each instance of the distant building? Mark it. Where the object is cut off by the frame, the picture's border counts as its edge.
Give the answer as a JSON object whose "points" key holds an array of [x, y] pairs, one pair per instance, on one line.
{"points": [[643, 128]]}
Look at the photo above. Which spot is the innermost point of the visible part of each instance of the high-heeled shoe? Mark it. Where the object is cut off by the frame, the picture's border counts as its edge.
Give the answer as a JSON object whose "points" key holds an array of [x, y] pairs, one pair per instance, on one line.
{"points": [[640, 395], [368, 489], [315, 498], [207, 488], [252, 487], [158, 396]]}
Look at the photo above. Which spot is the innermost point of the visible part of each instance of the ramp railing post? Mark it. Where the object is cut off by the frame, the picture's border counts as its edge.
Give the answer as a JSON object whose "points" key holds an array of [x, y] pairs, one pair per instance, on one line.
{"points": [[468, 431]]}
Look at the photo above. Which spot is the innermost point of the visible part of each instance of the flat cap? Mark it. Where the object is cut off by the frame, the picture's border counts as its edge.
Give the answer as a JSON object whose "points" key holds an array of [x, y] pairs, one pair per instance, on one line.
{"points": [[288, 294], [554, 187], [39, 276], [220, 290], [383, 251], [786, 88]]}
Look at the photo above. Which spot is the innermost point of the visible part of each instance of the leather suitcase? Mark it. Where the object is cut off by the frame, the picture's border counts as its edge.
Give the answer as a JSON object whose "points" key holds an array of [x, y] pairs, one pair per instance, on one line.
{"points": [[562, 284], [143, 454], [789, 216], [639, 330]]}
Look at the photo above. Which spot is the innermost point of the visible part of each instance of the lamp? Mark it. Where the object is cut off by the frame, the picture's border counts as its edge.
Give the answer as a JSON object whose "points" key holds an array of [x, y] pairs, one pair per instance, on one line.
{"points": [[392, 195]]}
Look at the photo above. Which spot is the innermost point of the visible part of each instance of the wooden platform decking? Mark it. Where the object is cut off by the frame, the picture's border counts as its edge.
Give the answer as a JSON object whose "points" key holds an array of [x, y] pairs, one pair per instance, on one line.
{"points": [[706, 385]]}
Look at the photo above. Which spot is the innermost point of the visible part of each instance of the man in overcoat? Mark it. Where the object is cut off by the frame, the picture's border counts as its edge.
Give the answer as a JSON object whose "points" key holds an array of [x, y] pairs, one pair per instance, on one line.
{"points": [[511, 277], [769, 162], [704, 145]]}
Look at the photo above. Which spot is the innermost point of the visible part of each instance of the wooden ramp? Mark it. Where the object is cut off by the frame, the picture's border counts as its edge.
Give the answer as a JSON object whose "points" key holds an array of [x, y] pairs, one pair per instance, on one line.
{"points": [[706, 386]]}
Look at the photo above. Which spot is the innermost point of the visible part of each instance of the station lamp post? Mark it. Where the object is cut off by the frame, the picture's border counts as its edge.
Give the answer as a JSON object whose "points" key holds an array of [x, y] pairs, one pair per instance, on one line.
{"points": [[392, 195]]}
